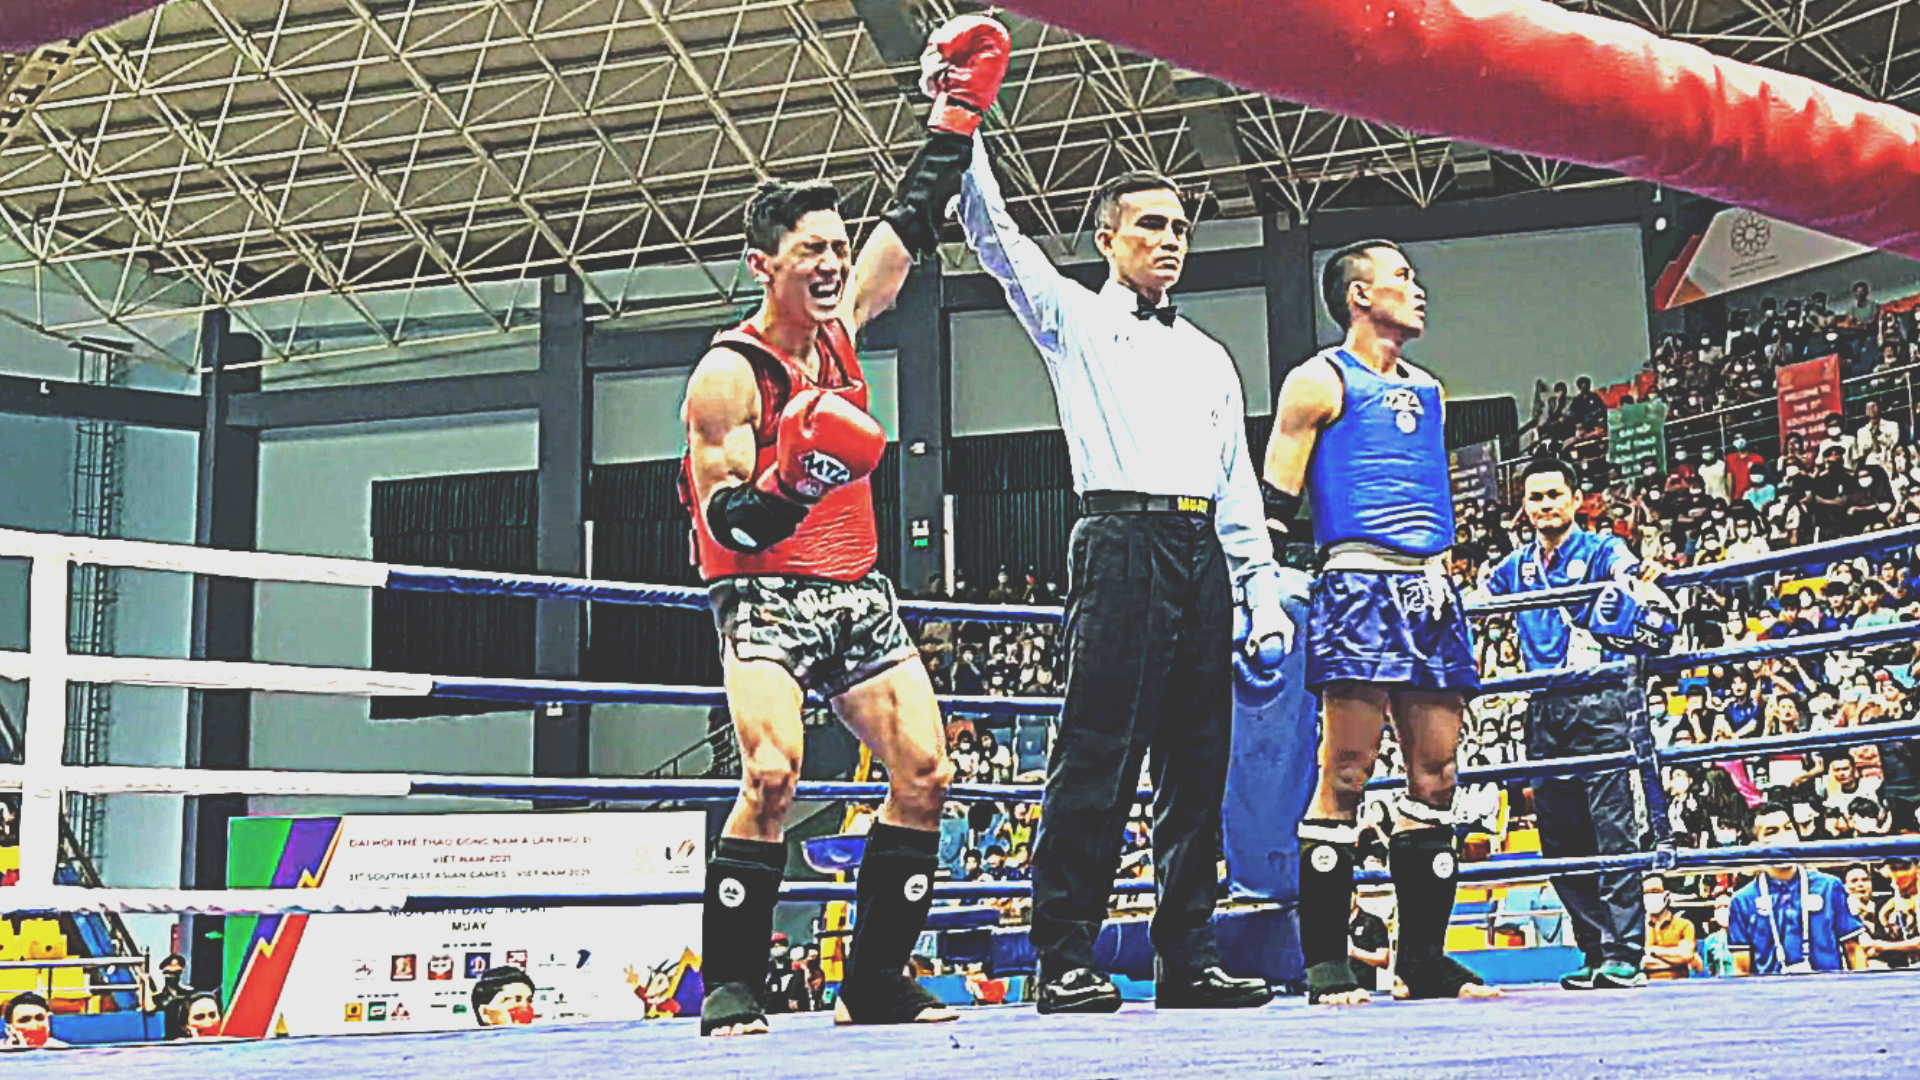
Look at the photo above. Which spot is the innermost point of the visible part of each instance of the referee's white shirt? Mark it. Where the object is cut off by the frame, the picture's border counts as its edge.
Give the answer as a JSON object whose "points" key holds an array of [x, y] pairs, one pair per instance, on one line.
{"points": [[1146, 407]]}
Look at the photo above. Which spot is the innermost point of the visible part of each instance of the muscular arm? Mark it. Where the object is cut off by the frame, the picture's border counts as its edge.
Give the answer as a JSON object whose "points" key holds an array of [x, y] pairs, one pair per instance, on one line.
{"points": [[1309, 401], [878, 273], [722, 402]]}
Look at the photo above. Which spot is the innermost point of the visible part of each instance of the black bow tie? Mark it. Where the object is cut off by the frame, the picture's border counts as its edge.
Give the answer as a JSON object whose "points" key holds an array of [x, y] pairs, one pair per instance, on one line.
{"points": [[1146, 311]]}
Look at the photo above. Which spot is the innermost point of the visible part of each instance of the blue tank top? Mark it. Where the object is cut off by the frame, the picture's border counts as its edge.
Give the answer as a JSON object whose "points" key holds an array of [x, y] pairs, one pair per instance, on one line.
{"points": [[1379, 473]]}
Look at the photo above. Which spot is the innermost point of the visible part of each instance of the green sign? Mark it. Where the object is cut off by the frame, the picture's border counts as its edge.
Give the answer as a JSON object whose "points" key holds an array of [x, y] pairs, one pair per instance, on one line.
{"points": [[1636, 433]]}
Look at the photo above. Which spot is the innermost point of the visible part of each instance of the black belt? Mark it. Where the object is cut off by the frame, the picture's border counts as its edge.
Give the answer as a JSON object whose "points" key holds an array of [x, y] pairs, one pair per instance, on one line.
{"points": [[1133, 502]]}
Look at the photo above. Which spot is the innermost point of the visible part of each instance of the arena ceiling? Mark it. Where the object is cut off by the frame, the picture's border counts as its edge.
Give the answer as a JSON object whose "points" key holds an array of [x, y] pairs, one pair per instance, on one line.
{"points": [[257, 154]]}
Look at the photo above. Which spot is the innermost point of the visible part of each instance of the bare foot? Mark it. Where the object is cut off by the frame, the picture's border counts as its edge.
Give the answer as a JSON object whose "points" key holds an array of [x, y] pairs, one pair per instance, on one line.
{"points": [[754, 1027], [932, 1014], [1469, 991], [1351, 997]]}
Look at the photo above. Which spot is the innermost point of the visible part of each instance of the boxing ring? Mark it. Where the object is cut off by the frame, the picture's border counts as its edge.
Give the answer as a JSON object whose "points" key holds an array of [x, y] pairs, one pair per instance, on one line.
{"points": [[1563, 1029]]}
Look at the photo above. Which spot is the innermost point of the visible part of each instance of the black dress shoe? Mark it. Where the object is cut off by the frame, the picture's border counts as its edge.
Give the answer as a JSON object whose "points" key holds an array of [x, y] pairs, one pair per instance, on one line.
{"points": [[1078, 990], [1212, 988]]}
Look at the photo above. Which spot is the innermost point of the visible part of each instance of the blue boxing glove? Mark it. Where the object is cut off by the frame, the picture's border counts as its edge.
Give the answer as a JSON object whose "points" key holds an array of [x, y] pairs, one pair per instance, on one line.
{"points": [[1263, 631], [1632, 617]]}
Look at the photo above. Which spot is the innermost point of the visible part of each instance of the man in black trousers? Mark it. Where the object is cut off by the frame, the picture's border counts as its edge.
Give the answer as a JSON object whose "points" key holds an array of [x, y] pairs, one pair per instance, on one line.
{"points": [[1172, 524]]}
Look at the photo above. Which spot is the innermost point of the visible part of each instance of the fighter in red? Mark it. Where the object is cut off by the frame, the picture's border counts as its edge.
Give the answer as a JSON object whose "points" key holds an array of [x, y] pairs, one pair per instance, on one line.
{"points": [[780, 445]]}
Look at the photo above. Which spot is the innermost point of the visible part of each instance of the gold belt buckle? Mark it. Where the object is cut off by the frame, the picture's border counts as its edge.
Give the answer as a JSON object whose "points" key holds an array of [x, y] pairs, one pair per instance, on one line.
{"points": [[1187, 504]]}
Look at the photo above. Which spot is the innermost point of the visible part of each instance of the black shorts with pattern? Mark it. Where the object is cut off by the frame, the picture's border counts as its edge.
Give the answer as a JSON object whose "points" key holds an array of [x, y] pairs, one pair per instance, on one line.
{"points": [[829, 635]]}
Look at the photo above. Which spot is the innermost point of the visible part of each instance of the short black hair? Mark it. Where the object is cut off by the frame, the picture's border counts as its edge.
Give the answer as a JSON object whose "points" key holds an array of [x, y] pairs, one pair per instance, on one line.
{"points": [[26, 998], [494, 980], [1769, 807], [1545, 466], [777, 207], [1345, 267], [1861, 806], [1106, 199]]}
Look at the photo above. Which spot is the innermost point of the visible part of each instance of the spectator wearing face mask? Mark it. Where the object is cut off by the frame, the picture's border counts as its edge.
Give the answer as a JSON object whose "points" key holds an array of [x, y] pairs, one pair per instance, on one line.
{"points": [[1761, 487], [1870, 499], [1875, 439], [1716, 959], [1833, 490], [30, 1023], [1715, 477], [1868, 818], [170, 989], [1369, 945], [1671, 950]]}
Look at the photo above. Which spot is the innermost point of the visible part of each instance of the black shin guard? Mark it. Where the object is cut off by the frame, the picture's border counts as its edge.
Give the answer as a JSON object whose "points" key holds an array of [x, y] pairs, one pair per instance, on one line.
{"points": [[931, 181], [1325, 904], [894, 891], [736, 919], [1424, 869]]}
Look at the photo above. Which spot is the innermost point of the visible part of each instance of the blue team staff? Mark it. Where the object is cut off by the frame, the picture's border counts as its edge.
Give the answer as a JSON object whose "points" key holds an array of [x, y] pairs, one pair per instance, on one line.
{"points": [[1791, 919], [1359, 433], [1582, 815]]}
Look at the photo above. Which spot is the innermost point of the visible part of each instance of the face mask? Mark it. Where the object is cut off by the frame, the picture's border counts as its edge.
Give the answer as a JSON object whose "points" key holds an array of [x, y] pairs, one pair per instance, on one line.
{"points": [[1656, 903], [1378, 906], [1725, 837], [522, 1014], [1866, 481], [1833, 433], [1757, 384], [35, 1036], [1740, 442], [1758, 478], [1742, 531], [1495, 634]]}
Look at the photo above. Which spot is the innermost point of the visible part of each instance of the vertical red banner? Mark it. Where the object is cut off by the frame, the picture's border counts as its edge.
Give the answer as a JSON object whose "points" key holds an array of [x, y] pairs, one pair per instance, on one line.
{"points": [[1809, 393]]}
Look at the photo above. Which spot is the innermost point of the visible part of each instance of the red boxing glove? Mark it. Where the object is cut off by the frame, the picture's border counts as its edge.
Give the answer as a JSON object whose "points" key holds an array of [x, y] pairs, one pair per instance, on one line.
{"points": [[824, 442], [962, 69]]}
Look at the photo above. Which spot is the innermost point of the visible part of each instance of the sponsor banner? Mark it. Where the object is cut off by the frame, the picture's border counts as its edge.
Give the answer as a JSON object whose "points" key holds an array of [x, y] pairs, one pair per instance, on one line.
{"points": [[1809, 393], [1741, 248], [418, 971], [1476, 474], [1636, 433]]}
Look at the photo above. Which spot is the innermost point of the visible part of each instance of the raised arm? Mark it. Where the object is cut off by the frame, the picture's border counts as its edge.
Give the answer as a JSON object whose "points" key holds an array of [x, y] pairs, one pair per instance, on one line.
{"points": [[1034, 288], [878, 274], [962, 69], [1309, 401]]}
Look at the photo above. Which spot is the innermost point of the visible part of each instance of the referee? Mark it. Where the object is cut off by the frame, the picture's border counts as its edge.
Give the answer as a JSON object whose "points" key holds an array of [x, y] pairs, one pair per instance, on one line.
{"points": [[1579, 815], [1171, 523]]}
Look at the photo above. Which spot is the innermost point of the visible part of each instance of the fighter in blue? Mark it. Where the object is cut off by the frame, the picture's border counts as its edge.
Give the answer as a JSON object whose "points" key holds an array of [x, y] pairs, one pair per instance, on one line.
{"points": [[1359, 433]]}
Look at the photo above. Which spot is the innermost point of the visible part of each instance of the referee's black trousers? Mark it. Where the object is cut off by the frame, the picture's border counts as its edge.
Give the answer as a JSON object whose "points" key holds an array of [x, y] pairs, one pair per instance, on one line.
{"points": [[1596, 814], [1149, 624]]}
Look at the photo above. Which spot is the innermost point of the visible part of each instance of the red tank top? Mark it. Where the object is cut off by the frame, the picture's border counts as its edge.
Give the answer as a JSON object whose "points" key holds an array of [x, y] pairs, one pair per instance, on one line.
{"points": [[837, 540]]}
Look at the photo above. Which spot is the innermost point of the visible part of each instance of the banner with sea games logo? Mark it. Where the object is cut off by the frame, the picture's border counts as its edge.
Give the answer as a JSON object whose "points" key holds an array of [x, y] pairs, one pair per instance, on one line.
{"points": [[419, 971]]}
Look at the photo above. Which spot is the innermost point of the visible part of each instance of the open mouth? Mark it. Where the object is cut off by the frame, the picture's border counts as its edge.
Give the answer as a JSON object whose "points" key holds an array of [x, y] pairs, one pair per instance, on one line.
{"points": [[825, 290]]}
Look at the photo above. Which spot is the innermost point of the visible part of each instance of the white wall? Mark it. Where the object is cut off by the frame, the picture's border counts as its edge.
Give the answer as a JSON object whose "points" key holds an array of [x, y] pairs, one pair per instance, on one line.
{"points": [[636, 415], [628, 740], [1505, 310], [1001, 385], [153, 618], [316, 498]]}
